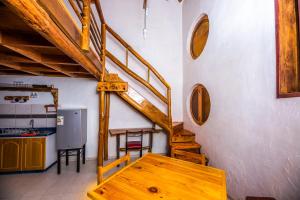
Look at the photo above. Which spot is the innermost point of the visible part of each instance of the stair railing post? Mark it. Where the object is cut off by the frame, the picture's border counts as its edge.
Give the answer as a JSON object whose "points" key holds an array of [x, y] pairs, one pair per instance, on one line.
{"points": [[107, 109], [148, 75], [170, 115], [102, 102], [86, 22], [126, 57]]}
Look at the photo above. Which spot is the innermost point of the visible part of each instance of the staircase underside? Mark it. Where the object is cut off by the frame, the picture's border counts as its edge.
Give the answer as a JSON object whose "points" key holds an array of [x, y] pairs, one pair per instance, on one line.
{"points": [[31, 43], [45, 42]]}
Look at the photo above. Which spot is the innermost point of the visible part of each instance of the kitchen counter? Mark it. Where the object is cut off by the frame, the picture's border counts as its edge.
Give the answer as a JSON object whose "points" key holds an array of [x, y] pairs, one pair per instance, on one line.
{"points": [[17, 151], [17, 133]]}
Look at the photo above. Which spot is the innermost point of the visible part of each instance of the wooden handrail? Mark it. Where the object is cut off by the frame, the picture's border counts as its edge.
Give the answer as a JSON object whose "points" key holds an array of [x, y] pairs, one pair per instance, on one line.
{"points": [[100, 12], [137, 55], [135, 76]]}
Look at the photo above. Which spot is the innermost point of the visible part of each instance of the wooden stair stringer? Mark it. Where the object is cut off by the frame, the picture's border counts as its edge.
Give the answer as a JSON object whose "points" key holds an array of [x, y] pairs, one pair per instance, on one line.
{"points": [[137, 101]]}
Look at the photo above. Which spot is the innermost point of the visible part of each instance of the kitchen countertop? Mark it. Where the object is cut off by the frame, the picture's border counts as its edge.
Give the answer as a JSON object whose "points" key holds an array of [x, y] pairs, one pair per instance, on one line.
{"points": [[41, 132]]}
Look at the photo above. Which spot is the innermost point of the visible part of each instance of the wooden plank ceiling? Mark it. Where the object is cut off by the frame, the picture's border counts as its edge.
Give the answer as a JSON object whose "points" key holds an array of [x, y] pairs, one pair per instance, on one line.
{"points": [[25, 52]]}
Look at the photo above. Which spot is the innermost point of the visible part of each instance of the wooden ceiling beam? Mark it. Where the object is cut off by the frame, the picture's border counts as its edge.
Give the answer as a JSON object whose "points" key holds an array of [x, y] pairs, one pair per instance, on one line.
{"points": [[36, 56], [58, 59], [24, 38], [48, 59], [17, 66], [14, 73], [5, 57]]}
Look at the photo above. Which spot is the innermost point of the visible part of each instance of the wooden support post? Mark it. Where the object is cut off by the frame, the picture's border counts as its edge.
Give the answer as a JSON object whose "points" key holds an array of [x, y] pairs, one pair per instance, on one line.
{"points": [[102, 103], [170, 135], [86, 22], [101, 128], [107, 109]]}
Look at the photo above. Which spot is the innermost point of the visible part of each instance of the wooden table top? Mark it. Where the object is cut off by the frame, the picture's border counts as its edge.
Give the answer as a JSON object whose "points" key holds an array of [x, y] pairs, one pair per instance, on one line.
{"points": [[159, 177]]}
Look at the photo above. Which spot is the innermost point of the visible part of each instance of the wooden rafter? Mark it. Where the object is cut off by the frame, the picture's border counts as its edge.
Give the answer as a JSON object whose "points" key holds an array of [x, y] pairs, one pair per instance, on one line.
{"points": [[36, 56], [5, 57], [18, 66]]}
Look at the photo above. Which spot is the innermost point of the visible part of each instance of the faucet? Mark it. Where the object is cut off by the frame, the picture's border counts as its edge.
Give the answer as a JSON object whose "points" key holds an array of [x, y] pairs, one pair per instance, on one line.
{"points": [[31, 123]]}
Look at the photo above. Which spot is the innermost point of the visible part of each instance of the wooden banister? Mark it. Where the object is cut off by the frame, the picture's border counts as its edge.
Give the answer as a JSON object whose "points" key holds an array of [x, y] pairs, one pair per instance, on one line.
{"points": [[137, 55], [100, 12], [135, 76]]}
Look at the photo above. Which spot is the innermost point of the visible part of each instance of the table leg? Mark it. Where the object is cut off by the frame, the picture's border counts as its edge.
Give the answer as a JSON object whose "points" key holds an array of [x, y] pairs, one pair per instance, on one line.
{"points": [[118, 146], [58, 161], [141, 150], [78, 160], [150, 142], [67, 157], [83, 155]]}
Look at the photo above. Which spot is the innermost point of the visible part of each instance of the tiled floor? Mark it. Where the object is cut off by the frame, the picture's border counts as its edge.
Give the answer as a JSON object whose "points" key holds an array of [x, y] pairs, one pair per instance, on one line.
{"points": [[69, 185]]}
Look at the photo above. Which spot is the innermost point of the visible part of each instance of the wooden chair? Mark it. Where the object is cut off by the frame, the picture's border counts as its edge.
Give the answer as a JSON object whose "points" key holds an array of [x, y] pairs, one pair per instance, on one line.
{"points": [[137, 143], [102, 170], [188, 156]]}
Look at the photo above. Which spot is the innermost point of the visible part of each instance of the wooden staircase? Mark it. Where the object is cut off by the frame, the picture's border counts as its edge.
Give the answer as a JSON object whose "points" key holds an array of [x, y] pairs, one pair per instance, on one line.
{"points": [[183, 139]]}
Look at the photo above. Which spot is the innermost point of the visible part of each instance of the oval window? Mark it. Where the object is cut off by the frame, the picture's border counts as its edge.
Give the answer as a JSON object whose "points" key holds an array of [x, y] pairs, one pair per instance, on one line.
{"points": [[199, 37], [200, 104]]}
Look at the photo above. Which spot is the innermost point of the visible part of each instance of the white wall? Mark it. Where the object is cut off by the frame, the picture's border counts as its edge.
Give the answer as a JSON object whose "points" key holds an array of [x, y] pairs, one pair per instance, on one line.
{"points": [[251, 134], [162, 48]]}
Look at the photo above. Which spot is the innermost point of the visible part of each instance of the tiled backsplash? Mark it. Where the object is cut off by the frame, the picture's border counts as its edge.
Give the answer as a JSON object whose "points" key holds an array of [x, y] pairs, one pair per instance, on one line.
{"points": [[20, 115]]}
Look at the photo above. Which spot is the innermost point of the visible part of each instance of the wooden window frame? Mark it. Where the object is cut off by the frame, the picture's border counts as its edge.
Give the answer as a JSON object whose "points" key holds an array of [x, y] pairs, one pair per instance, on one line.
{"points": [[199, 88], [202, 20], [287, 48]]}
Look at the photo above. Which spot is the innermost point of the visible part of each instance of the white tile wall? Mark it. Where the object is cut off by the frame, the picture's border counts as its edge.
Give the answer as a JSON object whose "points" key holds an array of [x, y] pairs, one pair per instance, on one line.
{"points": [[22, 109], [23, 123], [27, 109], [7, 109], [51, 122], [38, 109], [7, 123], [40, 123]]}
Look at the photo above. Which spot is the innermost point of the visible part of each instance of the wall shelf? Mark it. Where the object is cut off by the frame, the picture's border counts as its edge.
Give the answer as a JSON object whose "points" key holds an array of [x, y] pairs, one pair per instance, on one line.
{"points": [[32, 88]]}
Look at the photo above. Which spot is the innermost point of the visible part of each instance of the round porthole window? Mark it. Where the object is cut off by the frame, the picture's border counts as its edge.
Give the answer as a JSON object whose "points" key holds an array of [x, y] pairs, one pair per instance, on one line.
{"points": [[200, 104], [199, 37]]}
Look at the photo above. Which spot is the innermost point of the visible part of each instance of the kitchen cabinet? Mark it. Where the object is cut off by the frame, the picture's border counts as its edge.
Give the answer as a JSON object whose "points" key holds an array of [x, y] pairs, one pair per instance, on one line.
{"points": [[33, 154], [22, 154], [10, 155]]}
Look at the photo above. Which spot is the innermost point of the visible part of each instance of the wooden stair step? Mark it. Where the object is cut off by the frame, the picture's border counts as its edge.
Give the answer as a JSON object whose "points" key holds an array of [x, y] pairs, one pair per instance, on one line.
{"points": [[177, 127], [186, 145], [183, 136], [191, 157]]}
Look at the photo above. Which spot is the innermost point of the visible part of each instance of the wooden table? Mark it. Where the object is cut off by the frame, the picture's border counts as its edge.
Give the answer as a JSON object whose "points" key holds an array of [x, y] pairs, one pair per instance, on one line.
{"points": [[159, 177]]}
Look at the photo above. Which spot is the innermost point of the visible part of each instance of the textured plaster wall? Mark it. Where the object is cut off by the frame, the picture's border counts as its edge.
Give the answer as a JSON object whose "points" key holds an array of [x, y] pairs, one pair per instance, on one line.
{"points": [[251, 134]]}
